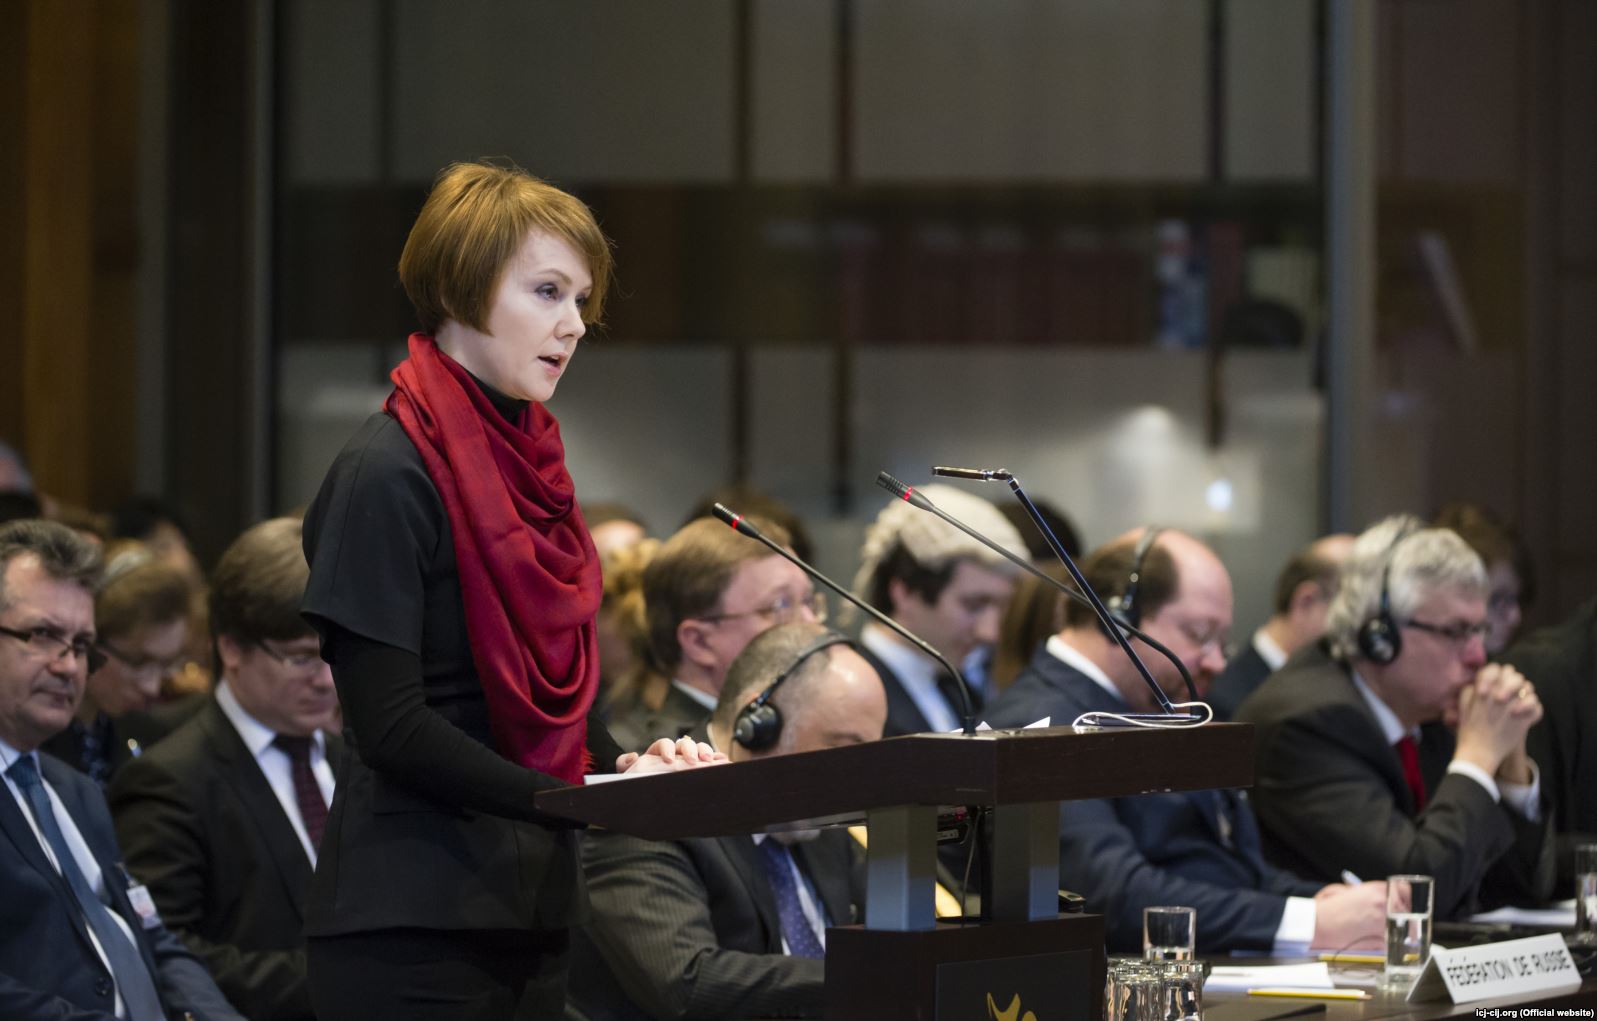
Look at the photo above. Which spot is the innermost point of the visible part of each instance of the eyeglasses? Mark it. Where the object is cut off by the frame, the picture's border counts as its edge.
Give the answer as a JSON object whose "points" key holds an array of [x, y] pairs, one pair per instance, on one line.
{"points": [[1457, 634], [166, 668], [784, 610], [299, 662], [52, 645]]}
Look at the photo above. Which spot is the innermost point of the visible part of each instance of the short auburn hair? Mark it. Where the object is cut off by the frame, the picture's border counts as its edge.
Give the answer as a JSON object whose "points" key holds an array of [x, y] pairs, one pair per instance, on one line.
{"points": [[475, 219]]}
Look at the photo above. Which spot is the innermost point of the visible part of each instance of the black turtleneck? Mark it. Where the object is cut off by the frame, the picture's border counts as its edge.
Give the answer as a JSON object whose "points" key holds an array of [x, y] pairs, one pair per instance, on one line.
{"points": [[508, 407]]}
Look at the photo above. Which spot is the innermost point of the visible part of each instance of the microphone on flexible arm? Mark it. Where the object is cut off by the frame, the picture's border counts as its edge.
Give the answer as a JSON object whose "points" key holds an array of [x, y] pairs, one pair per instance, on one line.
{"points": [[1116, 628], [742, 526]]}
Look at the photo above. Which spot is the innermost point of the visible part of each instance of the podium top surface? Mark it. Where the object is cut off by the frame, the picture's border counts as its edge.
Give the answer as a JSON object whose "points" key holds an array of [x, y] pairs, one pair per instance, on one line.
{"points": [[1006, 767]]}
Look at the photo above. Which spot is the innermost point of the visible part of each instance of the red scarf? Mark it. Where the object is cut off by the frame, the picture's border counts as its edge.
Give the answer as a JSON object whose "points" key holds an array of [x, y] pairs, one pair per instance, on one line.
{"points": [[529, 575]]}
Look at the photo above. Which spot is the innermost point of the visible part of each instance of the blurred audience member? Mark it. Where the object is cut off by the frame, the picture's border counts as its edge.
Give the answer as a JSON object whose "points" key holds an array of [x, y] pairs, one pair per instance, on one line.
{"points": [[224, 817], [1036, 611], [1058, 522], [941, 585], [706, 592], [1562, 660], [1510, 580], [1392, 746], [629, 681], [163, 530], [142, 616], [14, 474], [160, 527], [753, 503], [614, 526], [1303, 594]]}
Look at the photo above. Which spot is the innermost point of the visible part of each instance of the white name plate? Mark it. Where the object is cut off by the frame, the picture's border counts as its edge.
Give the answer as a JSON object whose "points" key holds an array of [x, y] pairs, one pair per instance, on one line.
{"points": [[1513, 967]]}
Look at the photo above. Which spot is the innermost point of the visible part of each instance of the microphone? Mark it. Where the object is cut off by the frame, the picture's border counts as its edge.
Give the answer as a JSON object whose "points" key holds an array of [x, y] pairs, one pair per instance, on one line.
{"points": [[1114, 627], [743, 527], [977, 474]]}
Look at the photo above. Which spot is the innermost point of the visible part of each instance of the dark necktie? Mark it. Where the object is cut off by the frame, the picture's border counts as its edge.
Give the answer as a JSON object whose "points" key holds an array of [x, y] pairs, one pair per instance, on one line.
{"points": [[948, 687], [307, 792], [1409, 754], [133, 978], [796, 928]]}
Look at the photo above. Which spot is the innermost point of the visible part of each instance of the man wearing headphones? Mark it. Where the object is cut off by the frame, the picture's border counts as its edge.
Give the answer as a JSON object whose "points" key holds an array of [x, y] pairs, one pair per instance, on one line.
{"points": [[1198, 848], [732, 927], [1393, 746]]}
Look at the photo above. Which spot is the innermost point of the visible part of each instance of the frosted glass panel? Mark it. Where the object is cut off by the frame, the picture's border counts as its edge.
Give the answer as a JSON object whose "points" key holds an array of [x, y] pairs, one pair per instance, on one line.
{"points": [[1030, 90], [625, 90]]}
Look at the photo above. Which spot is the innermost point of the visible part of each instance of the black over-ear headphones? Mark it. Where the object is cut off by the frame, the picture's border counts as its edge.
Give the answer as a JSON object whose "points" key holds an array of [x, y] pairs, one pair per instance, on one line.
{"points": [[1124, 605], [1380, 639], [759, 724]]}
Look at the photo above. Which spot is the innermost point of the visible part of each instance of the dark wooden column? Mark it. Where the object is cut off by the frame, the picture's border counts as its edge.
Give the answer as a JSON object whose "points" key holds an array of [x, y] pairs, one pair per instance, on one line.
{"points": [[68, 123], [211, 165]]}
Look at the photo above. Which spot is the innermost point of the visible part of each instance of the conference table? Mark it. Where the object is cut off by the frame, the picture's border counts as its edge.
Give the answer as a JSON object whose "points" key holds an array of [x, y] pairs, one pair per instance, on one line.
{"points": [[1238, 1006]]}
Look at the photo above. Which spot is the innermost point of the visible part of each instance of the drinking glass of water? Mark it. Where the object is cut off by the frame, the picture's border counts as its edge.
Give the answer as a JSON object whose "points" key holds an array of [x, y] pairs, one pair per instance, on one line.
{"points": [[1585, 894], [1409, 904], [1169, 933]]}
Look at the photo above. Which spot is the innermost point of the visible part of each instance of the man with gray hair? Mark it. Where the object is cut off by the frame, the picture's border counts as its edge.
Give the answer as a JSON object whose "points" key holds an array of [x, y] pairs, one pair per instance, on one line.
{"points": [[1393, 746], [941, 585], [79, 936]]}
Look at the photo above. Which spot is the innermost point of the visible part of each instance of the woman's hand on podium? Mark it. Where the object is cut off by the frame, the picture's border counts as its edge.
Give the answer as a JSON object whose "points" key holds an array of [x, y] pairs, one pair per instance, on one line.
{"points": [[668, 756]]}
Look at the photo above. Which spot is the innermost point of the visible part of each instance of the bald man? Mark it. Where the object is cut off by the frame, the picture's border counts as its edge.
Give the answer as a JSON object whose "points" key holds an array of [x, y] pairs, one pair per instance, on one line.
{"points": [[1198, 848], [1303, 594], [733, 927]]}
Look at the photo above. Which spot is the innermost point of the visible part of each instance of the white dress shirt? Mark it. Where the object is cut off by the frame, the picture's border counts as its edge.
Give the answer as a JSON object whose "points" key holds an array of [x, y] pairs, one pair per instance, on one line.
{"points": [[275, 763], [1273, 655], [703, 698], [87, 865]]}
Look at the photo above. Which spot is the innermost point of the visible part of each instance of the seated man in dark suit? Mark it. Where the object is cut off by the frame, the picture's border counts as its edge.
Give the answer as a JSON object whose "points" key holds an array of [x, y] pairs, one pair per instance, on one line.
{"points": [[1393, 747], [943, 586], [222, 819], [141, 612], [79, 938], [1303, 594], [1563, 660], [1197, 848], [733, 927], [707, 591]]}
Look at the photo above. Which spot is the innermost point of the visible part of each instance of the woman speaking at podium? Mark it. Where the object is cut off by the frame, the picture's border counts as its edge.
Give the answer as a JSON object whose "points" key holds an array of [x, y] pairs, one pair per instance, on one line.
{"points": [[454, 586]]}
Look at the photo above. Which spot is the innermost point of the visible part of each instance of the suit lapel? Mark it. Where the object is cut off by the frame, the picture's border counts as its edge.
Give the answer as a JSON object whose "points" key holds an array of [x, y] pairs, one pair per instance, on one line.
{"points": [[1378, 750], [244, 777], [745, 859]]}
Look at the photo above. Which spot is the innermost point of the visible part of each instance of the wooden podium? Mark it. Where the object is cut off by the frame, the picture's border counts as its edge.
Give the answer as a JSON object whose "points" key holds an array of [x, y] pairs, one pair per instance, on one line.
{"points": [[901, 963]]}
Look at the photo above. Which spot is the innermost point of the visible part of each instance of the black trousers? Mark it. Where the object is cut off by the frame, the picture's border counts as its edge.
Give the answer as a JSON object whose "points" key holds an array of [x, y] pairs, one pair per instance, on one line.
{"points": [[426, 974]]}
